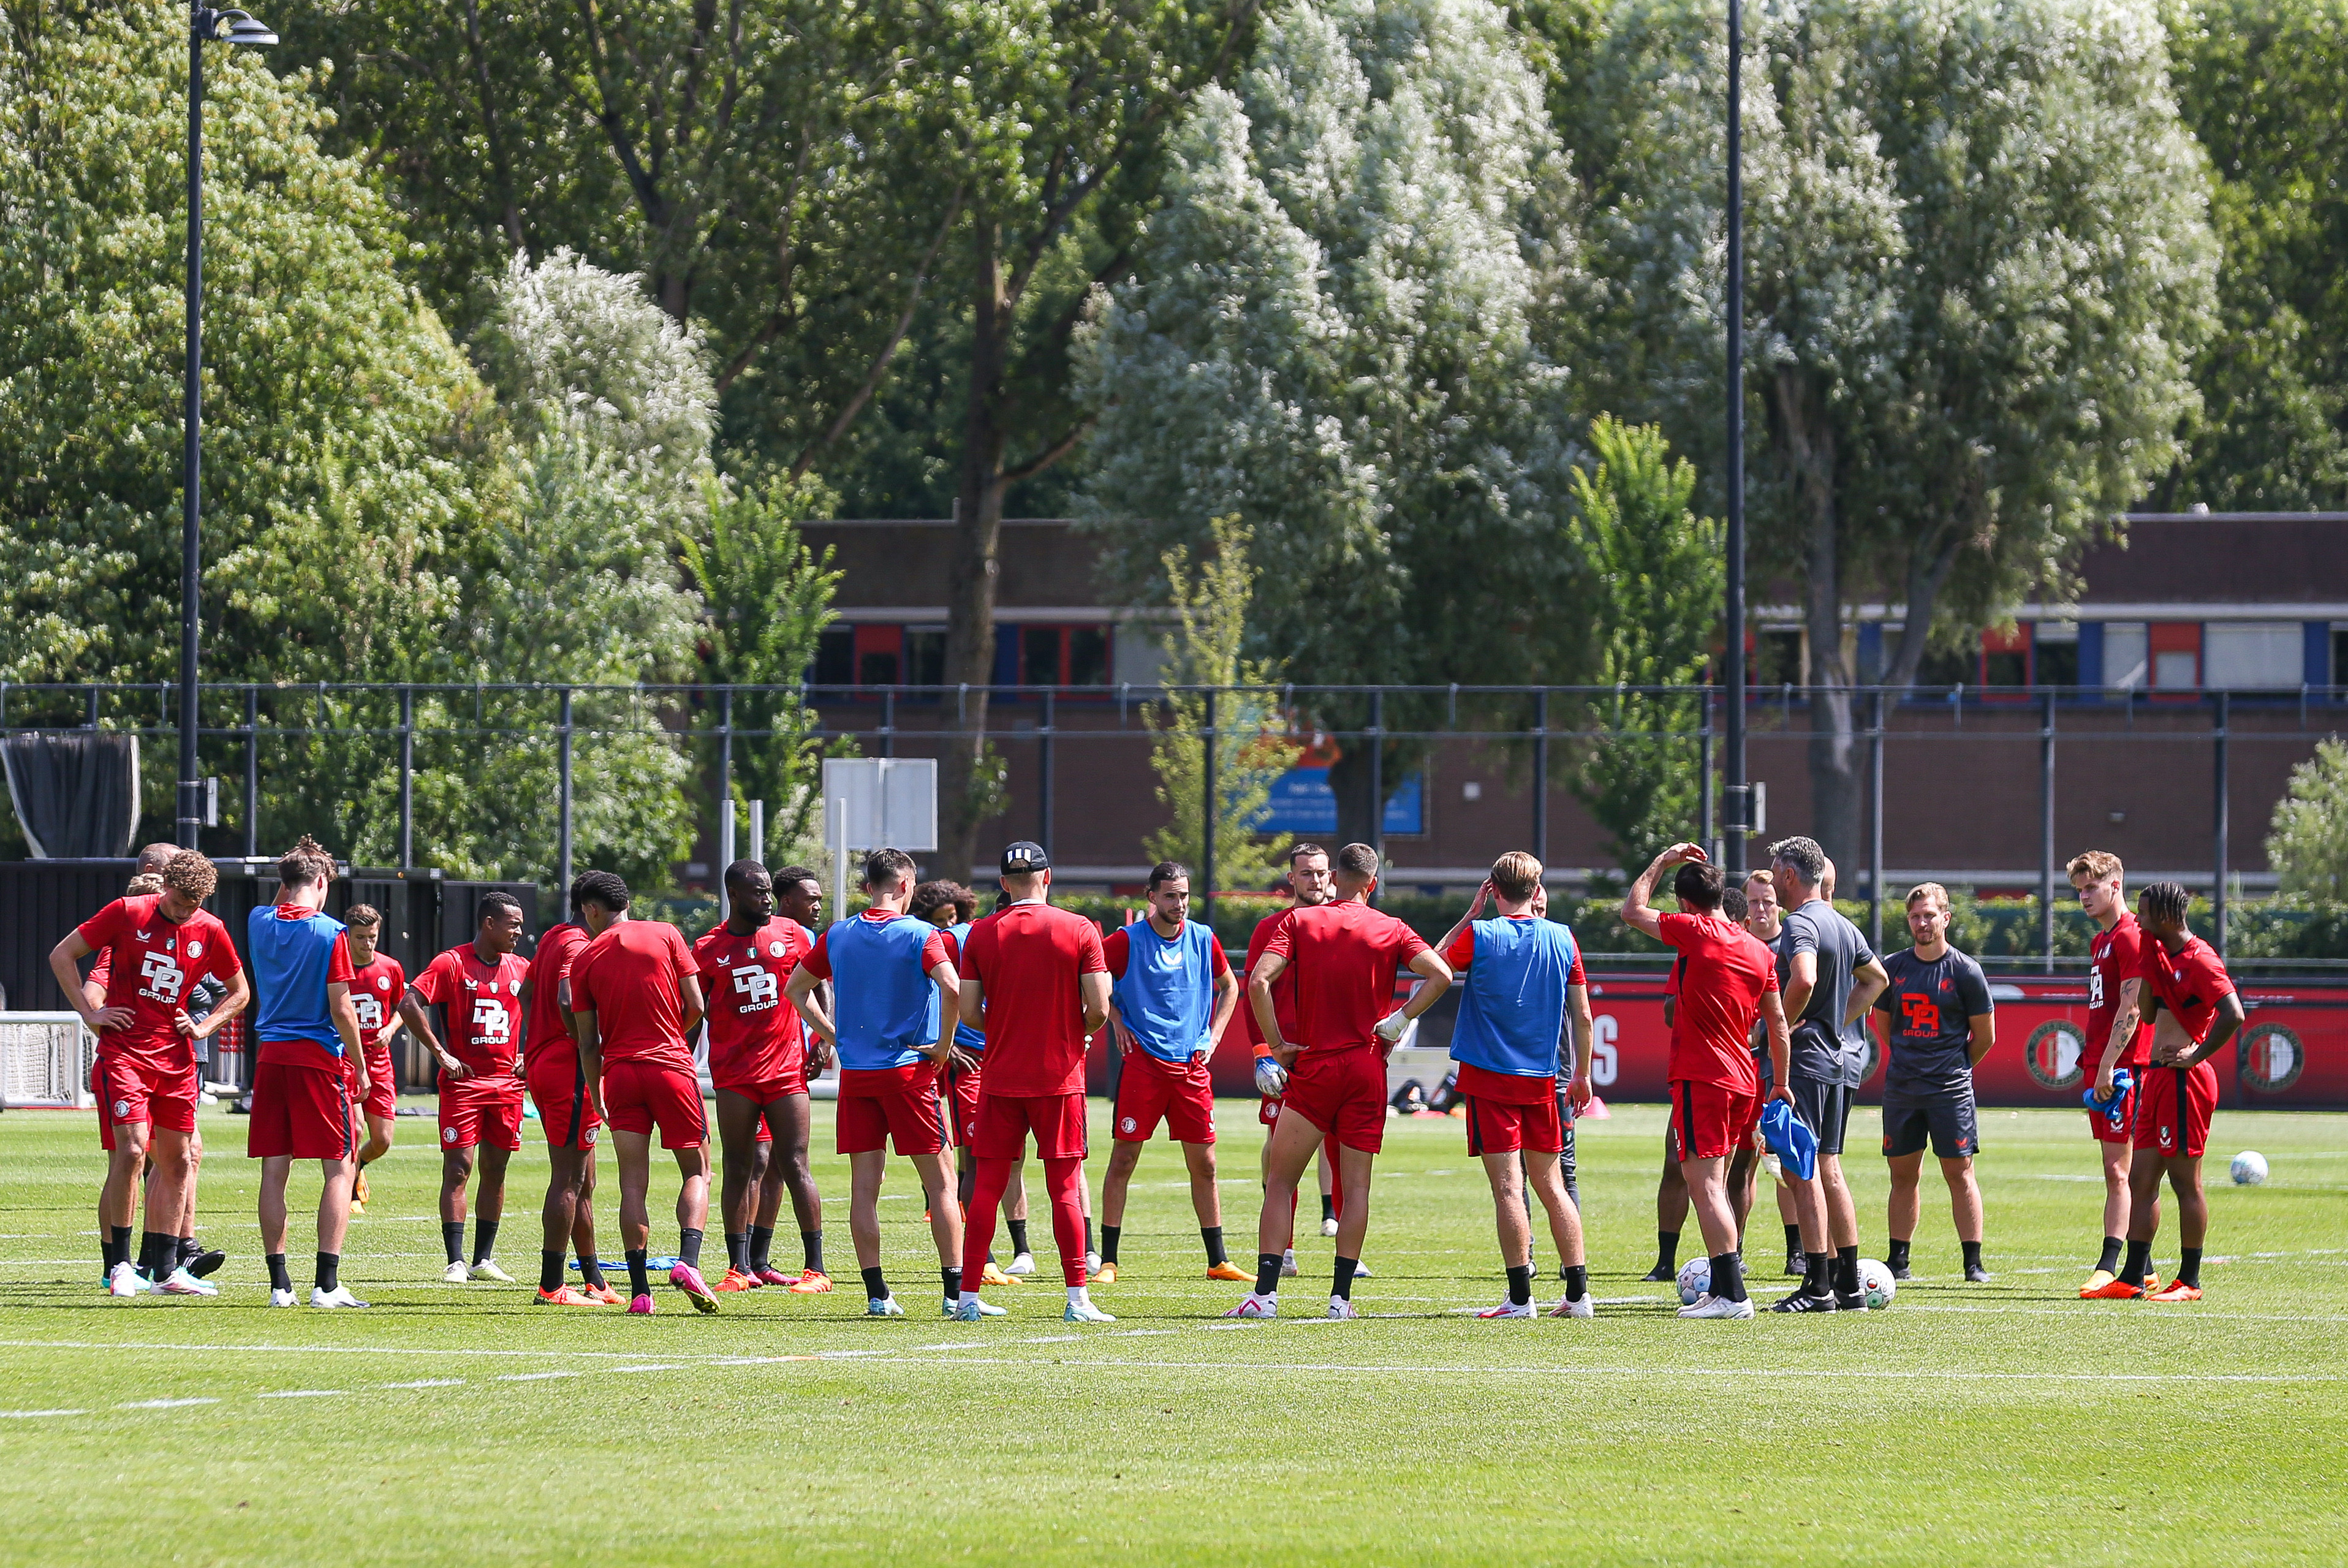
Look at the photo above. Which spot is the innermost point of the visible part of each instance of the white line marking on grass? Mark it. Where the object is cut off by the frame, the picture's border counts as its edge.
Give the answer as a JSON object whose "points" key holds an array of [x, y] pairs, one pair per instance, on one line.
{"points": [[2154, 1308], [1053, 1339], [626, 1371], [303, 1393], [974, 1344], [163, 1404], [536, 1376], [431, 1383], [29, 1415], [1255, 1369]]}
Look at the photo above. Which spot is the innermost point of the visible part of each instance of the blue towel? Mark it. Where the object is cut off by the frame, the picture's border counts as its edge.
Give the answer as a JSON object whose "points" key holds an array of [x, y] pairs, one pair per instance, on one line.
{"points": [[2114, 1108], [1790, 1139]]}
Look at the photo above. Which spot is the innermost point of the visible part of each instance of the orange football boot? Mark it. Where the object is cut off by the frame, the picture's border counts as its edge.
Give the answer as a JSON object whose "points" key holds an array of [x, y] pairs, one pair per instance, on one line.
{"points": [[2178, 1290], [735, 1280], [563, 1296], [991, 1275], [1227, 1270], [813, 1282], [2117, 1290], [603, 1294]]}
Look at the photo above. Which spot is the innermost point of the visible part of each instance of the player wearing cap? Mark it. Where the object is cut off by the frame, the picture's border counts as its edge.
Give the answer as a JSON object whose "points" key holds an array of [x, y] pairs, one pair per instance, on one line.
{"points": [[476, 988], [891, 1024], [1036, 981], [636, 998], [156, 946], [1172, 992], [566, 1110], [1523, 1001], [2115, 985], [300, 1098], [1308, 882], [1729, 981], [759, 1064], [1347, 956], [1939, 1024], [2194, 1010], [378, 986]]}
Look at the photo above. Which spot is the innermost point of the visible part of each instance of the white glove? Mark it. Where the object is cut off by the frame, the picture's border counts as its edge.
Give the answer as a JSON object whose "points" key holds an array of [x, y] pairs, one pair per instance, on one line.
{"points": [[1271, 1078], [1391, 1027]]}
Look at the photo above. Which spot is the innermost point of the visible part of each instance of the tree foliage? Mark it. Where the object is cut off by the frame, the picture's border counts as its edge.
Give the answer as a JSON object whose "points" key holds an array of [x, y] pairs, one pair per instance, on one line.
{"points": [[2308, 843]]}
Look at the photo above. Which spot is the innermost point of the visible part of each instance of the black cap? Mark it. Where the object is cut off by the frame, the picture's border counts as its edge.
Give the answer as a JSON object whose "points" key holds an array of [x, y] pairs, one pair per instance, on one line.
{"points": [[1023, 857]]}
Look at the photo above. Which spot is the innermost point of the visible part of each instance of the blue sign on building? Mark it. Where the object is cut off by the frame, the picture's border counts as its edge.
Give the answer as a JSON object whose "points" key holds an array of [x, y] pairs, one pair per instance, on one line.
{"points": [[1303, 803]]}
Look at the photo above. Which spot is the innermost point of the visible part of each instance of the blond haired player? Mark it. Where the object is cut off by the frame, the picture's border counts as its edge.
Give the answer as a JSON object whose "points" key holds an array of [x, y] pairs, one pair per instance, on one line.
{"points": [[2115, 955]]}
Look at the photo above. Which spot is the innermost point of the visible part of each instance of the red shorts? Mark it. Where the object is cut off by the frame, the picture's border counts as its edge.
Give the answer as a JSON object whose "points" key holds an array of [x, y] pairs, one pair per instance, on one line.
{"points": [[1710, 1120], [481, 1111], [1267, 1109], [565, 1110], [133, 1091], [2100, 1125], [763, 1091], [1507, 1114], [640, 1095], [899, 1104], [962, 1093], [382, 1098], [1150, 1088], [1004, 1121], [2173, 1106], [1341, 1092], [302, 1112]]}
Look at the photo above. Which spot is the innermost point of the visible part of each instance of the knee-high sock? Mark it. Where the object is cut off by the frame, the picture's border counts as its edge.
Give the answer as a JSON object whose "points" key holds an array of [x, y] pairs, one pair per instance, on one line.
{"points": [[1336, 1177], [991, 1180], [1060, 1178]]}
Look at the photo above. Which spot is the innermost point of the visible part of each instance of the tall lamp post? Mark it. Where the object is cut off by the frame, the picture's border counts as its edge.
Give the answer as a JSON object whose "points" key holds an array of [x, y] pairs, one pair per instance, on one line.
{"points": [[231, 28], [1737, 796]]}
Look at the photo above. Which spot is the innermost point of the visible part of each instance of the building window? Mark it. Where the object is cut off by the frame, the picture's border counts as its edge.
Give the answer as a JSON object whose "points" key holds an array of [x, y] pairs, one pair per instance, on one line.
{"points": [[835, 657], [2006, 658], [877, 668], [1949, 667], [2127, 655], [2254, 655], [2340, 656], [925, 657], [1777, 658], [2175, 651], [1039, 655], [2055, 654], [1087, 656]]}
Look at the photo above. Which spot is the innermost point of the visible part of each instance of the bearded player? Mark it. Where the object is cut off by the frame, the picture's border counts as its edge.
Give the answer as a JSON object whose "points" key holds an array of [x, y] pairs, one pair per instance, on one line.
{"points": [[1308, 884], [2115, 988], [478, 990], [378, 986], [566, 1110]]}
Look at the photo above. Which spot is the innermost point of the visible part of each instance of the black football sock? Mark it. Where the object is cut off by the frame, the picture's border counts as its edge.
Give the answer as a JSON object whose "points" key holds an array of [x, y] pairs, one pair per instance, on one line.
{"points": [[1973, 1254], [190, 1251], [2108, 1261], [1344, 1282], [591, 1271], [876, 1285], [105, 1253], [279, 1279], [1088, 1237], [738, 1251], [121, 1237], [1328, 1208], [811, 1247], [1846, 1270], [639, 1278], [1577, 1281], [1793, 1241], [1667, 1249], [1727, 1278], [2140, 1258], [1267, 1274], [452, 1239], [2188, 1267], [762, 1247], [1896, 1254], [1212, 1235], [1815, 1274], [1109, 1234], [688, 1247], [485, 1239], [952, 1279], [550, 1273], [1521, 1285], [1018, 1229], [156, 1253], [330, 1269]]}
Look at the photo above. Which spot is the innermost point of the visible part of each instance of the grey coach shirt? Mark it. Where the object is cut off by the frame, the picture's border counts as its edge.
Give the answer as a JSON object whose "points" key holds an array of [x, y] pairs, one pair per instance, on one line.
{"points": [[1828, 1053]]}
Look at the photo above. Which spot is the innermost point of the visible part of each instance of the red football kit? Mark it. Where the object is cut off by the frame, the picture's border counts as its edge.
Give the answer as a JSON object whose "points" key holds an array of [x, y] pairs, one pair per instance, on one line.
{"points": [[549, 1055], [1283, 1007], [1029, 958], [2174, 1104], [480, 1007], [377, 988], [1716, 1086], [631, 978], [1149, 1088], [757, 1044], [146, 1070], [2115, 956], [1345, 957]]}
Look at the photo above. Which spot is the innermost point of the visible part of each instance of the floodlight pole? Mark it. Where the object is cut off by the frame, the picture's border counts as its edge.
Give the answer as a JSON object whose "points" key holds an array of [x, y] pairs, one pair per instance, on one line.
{"points": [[1738, 796], [190, 801]]}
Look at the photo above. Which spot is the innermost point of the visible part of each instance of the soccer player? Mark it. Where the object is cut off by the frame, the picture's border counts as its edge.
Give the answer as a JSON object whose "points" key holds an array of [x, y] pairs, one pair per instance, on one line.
{"points": [[566, 1110], [1308, 884], [890, 1026], [799, 898], [156, 945], [477, 989], [1939, 1023], [1729, 981], [2115, 961], [1035, 980], [1172, 991], [757, 1062], [1347, 956], [2194, 1010], [378, 986], [300, 1097], [634, 999], [1523, 1001], [1831, 981], [952, 908]]}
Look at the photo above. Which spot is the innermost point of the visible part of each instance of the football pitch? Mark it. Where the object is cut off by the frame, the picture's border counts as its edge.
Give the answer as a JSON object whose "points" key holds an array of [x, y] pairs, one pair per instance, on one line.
{"points": [[1999, 1423]]}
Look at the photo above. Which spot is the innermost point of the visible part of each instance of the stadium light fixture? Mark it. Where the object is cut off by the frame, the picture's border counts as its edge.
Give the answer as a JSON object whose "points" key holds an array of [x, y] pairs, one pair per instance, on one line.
{"points": [[204, 25], [1736, 793]]}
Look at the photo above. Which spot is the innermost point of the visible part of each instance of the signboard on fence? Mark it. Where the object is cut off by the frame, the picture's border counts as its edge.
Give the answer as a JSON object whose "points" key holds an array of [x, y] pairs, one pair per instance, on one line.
{"points": [[881, 802], [1301, 803]]}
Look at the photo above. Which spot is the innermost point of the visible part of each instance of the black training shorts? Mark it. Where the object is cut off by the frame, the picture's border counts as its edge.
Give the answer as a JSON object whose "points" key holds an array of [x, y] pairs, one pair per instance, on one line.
{"points": [[1953, 1129], [1825, 1109]]}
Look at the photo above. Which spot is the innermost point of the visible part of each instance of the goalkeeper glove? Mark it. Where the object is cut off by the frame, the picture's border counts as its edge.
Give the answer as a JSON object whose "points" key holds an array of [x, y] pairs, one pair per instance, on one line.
{"points": [[1271, 1078]]}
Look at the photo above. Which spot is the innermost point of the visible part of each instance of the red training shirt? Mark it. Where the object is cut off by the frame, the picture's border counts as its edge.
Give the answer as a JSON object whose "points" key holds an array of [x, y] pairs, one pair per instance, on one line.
{"points": [[631, 978], [546, 1035], [1345, 957], [2117, 957], [1028, 958], [481, 1005], [1283, 990], [754, 1035], [2189, 981], [1725, 970], [152, 962], [377, 988]]}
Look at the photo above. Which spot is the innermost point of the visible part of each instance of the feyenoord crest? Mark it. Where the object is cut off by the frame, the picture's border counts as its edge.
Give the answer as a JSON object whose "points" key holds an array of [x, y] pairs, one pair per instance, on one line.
{"points": [[2270, 1059], [773, 950], [195, 949], [2054, 1054]]}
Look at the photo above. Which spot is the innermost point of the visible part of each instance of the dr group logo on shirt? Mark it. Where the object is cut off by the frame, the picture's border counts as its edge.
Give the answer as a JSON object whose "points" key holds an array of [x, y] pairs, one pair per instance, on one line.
{"points": [[2271, 1059], [2055, 1054]]}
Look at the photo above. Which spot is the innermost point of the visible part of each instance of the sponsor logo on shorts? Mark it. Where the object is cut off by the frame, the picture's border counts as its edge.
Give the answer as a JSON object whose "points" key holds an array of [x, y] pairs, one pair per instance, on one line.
{"points": [[2167, 1136], [2271, 1059], [2055, 1054]]}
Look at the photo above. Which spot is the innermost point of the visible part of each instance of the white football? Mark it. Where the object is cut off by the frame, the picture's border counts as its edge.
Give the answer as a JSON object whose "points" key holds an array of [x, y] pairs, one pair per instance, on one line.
{"points": [[2250, 1168], [1695, 1278], [1876, 1284]]}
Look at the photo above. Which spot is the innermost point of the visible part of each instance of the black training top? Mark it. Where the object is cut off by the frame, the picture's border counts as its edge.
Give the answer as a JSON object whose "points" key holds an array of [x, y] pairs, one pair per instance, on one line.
{"points": [[1932, 1006]]}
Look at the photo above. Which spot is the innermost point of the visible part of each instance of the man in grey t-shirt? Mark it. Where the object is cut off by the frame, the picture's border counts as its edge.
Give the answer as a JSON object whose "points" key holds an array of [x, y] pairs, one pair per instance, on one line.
{"points": [[1832, 979], [1941, 1024]]}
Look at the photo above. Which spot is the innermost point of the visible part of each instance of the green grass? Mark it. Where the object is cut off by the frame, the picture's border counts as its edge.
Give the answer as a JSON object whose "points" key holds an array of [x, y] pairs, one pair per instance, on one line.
{"points": [[2008, 1422]]}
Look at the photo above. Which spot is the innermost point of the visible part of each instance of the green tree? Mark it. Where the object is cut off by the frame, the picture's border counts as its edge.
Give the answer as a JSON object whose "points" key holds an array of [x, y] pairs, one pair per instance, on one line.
{"points": [[2308, 843]]}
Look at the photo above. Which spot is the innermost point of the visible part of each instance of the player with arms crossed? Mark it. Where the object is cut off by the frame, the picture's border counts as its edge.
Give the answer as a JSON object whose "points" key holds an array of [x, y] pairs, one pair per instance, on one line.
{"points": [[634, 999], [2194, 1010], [2115, 985], [759, 1064], [1729, 980], [378, 986], [1034, 979], [1522, 997], [1939, 1025], [1171, 992], [566, 1110], [300, 1097], [156, 947], [477, 989], [1347, 956]]}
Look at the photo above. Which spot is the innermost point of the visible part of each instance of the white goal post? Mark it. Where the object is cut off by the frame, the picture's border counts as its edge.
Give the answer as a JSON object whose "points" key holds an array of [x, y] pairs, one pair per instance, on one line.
{"points": [[45, 1060]]}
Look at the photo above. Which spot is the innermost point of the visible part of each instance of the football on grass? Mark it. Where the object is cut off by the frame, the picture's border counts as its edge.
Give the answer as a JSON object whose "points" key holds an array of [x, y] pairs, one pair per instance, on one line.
{"points": [[2250, 1168], [1876, 1284], [1695, 1278]]}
